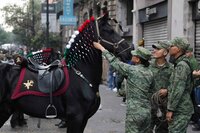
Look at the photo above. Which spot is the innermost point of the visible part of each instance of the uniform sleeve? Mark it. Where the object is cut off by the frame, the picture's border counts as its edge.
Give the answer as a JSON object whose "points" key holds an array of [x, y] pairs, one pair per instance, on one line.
{"points": [[177, 85], [121, 67], [195, 65]]}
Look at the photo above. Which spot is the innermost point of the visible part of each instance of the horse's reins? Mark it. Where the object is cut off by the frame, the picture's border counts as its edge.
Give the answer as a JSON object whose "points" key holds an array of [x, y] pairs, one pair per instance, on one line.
{"points": [[82, 76]]}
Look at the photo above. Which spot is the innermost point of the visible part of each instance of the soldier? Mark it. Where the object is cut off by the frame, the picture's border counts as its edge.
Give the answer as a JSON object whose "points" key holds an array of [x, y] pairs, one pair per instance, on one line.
{"points": [[139, 83], [162, 71], [179, 105], [194, 66], [193, 61]]}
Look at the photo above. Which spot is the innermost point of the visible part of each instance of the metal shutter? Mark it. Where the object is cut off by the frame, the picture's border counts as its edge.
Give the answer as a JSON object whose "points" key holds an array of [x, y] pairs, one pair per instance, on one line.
{"points": [[155, 31], [197, 41]]}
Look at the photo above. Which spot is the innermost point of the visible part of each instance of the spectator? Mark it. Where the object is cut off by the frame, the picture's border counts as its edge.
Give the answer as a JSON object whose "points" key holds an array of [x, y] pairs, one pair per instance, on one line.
{"points": [[112, 79], [193, 61]]}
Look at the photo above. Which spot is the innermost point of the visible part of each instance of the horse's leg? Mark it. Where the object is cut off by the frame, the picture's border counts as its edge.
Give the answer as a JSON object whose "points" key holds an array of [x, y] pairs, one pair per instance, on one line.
{"points": [[17, 119], [75, 125], [4, 117], [22, 120], [5, 113], [94, 108], [84, 124]]}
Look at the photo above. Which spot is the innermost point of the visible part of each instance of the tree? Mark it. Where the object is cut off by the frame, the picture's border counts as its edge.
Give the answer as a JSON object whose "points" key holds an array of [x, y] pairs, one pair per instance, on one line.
{"points": [[5, 37], [27, 32], [55, 40], [20, 18]]}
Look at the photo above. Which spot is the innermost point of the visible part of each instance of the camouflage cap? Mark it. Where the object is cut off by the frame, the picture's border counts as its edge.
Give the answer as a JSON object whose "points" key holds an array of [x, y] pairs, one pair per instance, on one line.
{"points": [[180, 43], [161, 45], [142, 52], [190, 49]]}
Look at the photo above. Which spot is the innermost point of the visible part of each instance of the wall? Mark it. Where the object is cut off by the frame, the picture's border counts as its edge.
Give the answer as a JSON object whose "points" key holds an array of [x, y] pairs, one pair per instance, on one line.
{"points": [[137, 27], [145, 3], [181, 20], [53, 22], [177, 16]]}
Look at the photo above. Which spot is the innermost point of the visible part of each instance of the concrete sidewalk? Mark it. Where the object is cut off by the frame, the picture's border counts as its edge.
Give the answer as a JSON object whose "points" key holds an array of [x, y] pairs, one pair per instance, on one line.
{"points": [[111, 118]]}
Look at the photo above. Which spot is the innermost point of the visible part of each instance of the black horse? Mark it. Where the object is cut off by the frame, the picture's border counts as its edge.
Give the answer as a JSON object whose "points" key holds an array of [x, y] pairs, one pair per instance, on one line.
{"points": [[82, 97]]}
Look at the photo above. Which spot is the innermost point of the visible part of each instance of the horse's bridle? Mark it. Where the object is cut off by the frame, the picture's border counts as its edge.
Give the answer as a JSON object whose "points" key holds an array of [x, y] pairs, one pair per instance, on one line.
{"points": [[114, 44]]}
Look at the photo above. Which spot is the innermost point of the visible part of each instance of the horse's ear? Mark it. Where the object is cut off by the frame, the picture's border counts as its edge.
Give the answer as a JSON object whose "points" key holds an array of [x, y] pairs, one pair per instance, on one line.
{"points": [[105, 11]]}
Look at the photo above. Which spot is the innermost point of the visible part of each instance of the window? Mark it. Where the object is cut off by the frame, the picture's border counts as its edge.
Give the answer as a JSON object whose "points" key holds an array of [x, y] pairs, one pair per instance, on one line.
{"points": [[85, 16], [129, 17]]}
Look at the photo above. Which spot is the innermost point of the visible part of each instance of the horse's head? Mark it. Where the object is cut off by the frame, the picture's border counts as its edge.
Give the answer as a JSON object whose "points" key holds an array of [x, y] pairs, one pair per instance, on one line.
{"points": [[111, 40], [80, 43]]}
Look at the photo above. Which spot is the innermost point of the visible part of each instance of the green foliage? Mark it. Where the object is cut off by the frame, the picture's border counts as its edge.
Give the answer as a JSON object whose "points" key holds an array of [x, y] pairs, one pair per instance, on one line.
{"points": [[5, 37], [28, 32], [20, 18], [39, 41]]}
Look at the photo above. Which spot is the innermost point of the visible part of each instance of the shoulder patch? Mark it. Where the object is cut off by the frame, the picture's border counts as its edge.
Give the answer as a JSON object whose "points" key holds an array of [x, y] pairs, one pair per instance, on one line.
{"points": [[179, 69]]}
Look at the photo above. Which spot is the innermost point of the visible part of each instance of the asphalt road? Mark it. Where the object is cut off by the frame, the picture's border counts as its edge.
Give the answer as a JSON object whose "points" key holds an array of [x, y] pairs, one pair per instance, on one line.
{"points": [[110, 119]]}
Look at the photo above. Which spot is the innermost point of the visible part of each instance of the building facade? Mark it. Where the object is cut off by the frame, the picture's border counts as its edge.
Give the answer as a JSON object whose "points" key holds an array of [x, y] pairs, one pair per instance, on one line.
{"points": [[117, 9], [155, 20], [55, 9]]}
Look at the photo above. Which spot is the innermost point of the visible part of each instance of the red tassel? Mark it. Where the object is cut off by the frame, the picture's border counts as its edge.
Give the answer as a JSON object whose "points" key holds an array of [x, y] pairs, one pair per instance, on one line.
{"points": [[92, 18], [80, 29], [87, 21]]}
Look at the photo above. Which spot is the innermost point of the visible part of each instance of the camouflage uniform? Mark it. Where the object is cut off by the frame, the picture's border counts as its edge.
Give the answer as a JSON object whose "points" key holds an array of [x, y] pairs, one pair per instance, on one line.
{"points": [[139, 82], [161, 77], [179, 100], [194, 66], [193, 61]]}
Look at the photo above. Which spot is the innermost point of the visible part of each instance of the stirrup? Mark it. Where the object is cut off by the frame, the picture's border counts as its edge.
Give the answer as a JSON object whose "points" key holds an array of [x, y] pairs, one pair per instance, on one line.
{"points": [[52, 108]]}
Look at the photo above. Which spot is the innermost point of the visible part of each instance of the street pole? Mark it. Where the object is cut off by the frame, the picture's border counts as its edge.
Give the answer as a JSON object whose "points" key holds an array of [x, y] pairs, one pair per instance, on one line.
{"points": [[33, 19], [47, 23]]}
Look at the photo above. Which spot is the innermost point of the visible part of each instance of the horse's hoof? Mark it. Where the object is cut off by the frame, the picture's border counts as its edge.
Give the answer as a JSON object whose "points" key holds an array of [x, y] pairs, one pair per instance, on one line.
{"points": [[23, 123], [13, 125], [62, 124]]}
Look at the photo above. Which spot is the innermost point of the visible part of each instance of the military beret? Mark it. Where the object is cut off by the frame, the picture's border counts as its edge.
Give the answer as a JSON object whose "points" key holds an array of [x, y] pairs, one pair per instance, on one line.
{"points": [[161, 45], [180, 43], [142, 52]]}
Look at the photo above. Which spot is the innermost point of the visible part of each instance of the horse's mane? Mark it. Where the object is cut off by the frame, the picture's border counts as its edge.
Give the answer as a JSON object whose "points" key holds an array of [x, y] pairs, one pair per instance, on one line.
{"points": [[80, 46]]}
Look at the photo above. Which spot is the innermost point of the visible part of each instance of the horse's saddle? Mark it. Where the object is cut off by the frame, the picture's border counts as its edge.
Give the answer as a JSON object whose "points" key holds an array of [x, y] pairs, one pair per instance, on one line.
{"points": [[50, 77]]}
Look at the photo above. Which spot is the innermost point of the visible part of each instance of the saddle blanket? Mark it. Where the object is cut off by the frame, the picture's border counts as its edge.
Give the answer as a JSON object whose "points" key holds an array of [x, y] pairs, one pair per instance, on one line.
{"points": [[28, 84]]}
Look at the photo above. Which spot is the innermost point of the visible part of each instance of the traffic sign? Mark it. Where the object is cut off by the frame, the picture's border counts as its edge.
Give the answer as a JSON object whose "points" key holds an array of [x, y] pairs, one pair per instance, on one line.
{"points": [[68, 20]]}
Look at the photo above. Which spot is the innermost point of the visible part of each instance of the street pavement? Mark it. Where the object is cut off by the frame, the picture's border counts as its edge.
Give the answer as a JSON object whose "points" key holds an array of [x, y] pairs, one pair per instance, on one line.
{"points": [[109, 119]]}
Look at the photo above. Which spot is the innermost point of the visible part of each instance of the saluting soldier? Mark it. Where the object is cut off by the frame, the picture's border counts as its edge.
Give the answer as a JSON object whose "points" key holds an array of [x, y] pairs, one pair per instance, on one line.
{"points": [[139, 87], [179, 106], [162, 71]]}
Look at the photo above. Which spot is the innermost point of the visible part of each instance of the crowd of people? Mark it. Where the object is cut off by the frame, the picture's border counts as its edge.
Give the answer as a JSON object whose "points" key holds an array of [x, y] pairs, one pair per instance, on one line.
{"points": [[161, 94]]}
